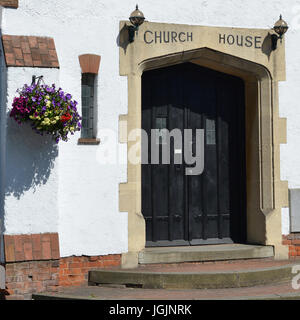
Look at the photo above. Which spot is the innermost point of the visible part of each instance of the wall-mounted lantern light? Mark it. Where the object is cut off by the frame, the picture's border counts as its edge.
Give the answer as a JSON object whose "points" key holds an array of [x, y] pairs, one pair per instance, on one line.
{"points": [[280, 27], [136, 18]]}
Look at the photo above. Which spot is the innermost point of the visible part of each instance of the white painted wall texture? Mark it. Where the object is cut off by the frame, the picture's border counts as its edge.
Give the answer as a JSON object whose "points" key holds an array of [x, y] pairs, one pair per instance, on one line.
{"points": [[2, 142], [31, 179], [79, 195]]}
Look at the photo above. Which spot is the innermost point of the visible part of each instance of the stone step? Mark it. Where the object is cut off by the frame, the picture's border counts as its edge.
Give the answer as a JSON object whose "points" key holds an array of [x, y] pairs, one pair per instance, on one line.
{"points": [[204, 253], [197, 276], [282, 291]]}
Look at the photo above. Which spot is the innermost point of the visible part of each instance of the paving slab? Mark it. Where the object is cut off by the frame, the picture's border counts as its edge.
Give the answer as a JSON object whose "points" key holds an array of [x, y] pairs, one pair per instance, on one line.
{"points": [[282, 291]]}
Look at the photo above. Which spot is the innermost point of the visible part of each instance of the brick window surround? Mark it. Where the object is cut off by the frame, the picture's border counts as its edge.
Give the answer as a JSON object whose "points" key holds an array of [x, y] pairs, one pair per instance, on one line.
{"points": [[9, 3], [89, 63]]}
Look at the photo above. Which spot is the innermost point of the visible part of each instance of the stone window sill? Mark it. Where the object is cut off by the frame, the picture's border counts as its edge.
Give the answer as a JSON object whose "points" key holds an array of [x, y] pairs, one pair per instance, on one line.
{"points": [[88, 141]]}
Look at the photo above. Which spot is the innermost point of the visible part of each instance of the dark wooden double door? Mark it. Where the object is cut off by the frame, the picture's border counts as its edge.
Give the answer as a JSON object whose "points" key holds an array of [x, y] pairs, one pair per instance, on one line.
{"points": [[209, 208]]}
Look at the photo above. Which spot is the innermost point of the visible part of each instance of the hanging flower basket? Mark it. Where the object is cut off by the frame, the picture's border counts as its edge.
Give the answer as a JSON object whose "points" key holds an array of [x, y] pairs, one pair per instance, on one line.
{"points": [[49, 110]]}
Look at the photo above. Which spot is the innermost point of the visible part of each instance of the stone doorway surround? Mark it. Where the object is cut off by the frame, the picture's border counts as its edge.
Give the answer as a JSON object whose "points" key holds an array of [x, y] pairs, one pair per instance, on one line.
{"points": [[245, 53]]}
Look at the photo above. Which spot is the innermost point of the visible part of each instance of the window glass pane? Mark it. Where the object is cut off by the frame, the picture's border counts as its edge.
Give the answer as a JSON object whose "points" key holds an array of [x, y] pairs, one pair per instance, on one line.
{"points": [[85, 112], [87, 100], [85, 91], [91, 122], [84, 123], [84, 133]]}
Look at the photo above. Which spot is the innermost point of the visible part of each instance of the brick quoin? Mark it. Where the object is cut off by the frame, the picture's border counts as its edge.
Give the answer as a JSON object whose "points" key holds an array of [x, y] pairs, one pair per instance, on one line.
{"points": [[33, 265]]}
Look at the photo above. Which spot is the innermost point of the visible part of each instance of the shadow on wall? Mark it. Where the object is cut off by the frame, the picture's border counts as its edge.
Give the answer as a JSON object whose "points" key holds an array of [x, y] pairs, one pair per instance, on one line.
{"points": [[267, 46], [122, 39], [29, 158]]}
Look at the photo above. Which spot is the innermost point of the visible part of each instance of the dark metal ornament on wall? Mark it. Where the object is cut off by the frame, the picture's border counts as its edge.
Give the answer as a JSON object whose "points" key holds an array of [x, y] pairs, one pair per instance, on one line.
{"points": [[280, 27], [40, 79], [136, 18]]}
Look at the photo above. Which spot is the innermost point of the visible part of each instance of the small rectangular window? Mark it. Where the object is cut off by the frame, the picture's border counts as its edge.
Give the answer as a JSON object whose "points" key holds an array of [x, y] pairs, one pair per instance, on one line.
{"points": [[88, 101]]}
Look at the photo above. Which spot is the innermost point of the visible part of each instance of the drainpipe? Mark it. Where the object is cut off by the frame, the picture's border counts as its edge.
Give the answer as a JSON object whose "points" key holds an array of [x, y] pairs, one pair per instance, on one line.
{"points": [[2, 278], [2, 269]]}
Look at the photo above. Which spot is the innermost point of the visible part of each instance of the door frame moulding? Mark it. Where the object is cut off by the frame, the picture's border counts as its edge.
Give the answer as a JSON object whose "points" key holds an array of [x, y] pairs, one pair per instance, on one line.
{"points": [[265, 131]]}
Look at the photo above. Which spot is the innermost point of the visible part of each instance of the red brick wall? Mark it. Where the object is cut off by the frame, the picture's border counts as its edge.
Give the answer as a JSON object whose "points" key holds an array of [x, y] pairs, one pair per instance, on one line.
{"points": [[293, 241], [73, 271], [25, 278], [33, 265]]}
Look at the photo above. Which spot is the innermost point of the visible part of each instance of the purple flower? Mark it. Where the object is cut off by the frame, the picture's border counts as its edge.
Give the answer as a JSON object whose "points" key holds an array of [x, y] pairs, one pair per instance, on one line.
{"points": [[30, 102]]}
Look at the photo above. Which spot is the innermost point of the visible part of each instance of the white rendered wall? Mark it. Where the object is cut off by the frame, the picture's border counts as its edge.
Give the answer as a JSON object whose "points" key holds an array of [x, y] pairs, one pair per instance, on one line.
{"points": [[31, 171], [2, 141], [87, 198]]}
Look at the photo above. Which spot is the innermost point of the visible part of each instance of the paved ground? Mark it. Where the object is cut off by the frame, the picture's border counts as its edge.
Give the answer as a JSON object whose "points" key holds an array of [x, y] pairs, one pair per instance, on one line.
{"points": [[119, 292], [280, 291]]}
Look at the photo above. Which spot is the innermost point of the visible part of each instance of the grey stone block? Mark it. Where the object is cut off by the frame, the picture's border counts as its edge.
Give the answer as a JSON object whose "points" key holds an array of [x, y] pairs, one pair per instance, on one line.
{"points": [[2, 277], [295, 209], [204, 253], [1, 246], [194, 280]]}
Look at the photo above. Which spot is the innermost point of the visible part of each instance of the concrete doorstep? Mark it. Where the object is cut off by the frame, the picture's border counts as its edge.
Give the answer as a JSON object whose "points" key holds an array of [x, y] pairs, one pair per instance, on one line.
{"points": [[193, 280], [204, 253]]}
